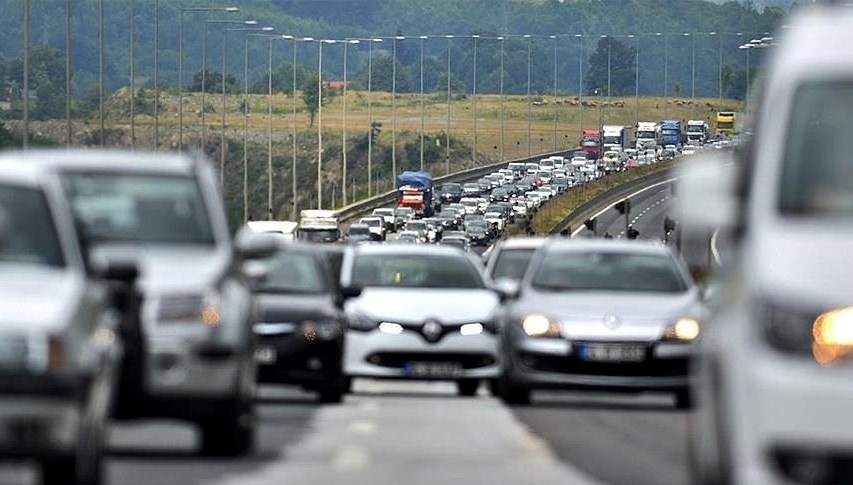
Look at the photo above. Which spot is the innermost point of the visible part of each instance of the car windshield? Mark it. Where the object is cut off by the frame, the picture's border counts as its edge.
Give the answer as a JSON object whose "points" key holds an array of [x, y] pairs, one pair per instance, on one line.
{"points": [[29, 235], [293, 272], [318, 235], [416, 226], [383, 212], [355, 230], [411, 270], [403, 211], [512, 263], [139, 208], [372, 222], [608, 271], [817, 172]]}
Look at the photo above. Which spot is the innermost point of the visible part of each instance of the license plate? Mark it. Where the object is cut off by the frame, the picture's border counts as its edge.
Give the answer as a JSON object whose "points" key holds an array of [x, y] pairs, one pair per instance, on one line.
{"points": [[612, 352], [265, 355], [432, 369]]}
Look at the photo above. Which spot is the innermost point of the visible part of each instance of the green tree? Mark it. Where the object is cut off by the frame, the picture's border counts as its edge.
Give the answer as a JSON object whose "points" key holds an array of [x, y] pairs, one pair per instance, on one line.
{"points": [[727, 77], [621, 67], [311, 95], [282, 80], [676, 88], [383, 75], [213, 83]]}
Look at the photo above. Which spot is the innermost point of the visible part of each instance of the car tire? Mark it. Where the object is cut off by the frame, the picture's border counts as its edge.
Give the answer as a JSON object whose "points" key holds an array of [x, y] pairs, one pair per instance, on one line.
{"points": [[232, 433], [467, 387], [84, 466], [683, 399]]}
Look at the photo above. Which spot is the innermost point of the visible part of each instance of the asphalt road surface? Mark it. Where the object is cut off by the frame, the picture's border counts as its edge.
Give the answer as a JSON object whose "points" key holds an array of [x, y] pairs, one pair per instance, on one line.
{"points": [[392, 433], [648, 211]]}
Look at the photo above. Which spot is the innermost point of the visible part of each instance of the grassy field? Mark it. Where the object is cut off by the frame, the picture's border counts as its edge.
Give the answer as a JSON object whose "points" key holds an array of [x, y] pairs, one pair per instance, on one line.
{"points": [[570, 117]]}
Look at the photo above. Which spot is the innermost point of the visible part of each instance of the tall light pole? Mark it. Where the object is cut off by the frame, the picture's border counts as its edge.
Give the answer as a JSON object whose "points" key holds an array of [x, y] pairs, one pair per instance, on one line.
{"points": [[692, 72], [503, 99], [636, 77], [554, 37], [609, 43], [665, 71], [370, 114], [132, 77], [447, 131], [720, 69], [184, 10], [157, 75], [246, 121], [580, 84], [394, 108], [100, 71], [423, 104], [474, 102], [320, 123], [26, 134], [204, 70], [344, 142], [528, 36], [67, 72]]}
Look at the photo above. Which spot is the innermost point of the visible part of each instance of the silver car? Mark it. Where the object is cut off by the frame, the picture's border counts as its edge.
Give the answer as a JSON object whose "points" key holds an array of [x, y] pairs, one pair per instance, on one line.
{"points": [[425, 312], [510, 258], [195, 362], [60, 321], [600, 314]]}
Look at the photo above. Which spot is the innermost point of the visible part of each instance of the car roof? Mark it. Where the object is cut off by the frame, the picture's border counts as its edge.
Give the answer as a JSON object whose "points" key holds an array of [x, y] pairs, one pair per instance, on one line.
{"points": [[97, 159], [636, 246], [433, 249]]}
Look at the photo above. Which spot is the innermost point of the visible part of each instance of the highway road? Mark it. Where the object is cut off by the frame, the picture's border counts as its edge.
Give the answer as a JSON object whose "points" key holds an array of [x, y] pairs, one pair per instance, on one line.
{"points": [[648, 211], [391, 433]]}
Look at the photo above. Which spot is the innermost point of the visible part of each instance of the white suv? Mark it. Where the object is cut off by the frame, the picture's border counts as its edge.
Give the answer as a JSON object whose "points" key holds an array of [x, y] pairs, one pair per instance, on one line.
{"points": [[776, 360]]}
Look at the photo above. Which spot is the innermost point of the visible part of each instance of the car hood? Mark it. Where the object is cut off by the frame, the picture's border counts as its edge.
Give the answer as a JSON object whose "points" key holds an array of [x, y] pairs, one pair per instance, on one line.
{"points": [[166, 269], [609, 315], [33, 298], [277, 308], [416, 305]]}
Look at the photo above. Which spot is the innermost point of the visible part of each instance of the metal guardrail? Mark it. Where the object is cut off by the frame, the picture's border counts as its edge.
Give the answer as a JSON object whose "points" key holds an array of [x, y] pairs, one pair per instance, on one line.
{"points": [[589, 208], [360, 208]]}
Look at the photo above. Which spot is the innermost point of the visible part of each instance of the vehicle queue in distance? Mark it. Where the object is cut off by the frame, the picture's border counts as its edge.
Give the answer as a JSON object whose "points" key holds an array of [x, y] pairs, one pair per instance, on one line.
{"points": [[129, 299]]}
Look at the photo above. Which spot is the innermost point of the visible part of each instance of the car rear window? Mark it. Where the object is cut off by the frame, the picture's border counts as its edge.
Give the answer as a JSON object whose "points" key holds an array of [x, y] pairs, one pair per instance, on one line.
{"points": [[512, 263], [415, 271], [29, 236], [609, 271]]}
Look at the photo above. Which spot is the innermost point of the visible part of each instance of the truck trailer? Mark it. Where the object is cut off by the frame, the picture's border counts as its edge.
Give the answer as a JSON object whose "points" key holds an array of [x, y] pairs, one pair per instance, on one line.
{"points": [[415, 190]]}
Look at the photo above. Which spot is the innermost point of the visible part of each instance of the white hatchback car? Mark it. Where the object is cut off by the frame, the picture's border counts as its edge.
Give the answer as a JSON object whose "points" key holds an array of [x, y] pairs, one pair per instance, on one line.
{"points": [[776, 363], [424, 312]]}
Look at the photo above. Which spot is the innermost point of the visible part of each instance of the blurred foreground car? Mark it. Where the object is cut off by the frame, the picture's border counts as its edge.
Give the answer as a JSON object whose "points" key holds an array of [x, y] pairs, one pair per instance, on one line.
{"points": [[773, 381], [194, 361], [425, 312], [301, 330], [510, 258], [600, 314], [60, 321]]}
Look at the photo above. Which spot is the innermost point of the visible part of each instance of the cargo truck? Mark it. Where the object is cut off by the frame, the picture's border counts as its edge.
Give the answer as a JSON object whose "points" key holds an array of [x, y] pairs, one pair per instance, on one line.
{"points": [[697, 132], [672, 132], [591, 144], [648, 135], [321, 226], [615, 138], [726, 123], [415, 190]]}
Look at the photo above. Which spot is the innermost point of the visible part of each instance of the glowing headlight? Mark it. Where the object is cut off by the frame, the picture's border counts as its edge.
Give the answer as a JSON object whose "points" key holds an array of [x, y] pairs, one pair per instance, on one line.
{"points": [[471, 329], [540, 326], [391, 328], [832, 334], [322, 330], [211, 307], [684, 329]]}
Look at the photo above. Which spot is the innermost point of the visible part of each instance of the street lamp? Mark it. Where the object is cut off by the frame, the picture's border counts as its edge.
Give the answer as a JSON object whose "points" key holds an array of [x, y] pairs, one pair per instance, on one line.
{"points": [[67, 72], [720, 69], [609, 43], [423, 104], [503, 98], [692, 72], [636, 77], [474, 102], [320, 122], [665, 71], [370, 43], [580, 83], [100, 74], [344, 142], [394, 108], [246, 121], [184, 10], [293, 196], [447, 131], [528, 37], [132, 76], [554, 37], [204, 70], [747, 48], [26, 135], [156, 74]]}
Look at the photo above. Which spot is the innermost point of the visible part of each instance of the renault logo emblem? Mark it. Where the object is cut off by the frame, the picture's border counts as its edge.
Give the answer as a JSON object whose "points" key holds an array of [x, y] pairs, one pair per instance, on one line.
{"points": [[432, 330], [612, 322]]}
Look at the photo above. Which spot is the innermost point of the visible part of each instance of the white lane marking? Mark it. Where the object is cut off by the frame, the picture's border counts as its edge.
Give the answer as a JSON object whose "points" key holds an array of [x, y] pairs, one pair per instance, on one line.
{"points": [[602, 211], [351, 458], [363, 427]]}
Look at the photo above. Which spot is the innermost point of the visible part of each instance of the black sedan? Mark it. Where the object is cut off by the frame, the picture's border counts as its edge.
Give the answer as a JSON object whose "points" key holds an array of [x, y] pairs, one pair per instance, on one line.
{"points": [[300, 335]]}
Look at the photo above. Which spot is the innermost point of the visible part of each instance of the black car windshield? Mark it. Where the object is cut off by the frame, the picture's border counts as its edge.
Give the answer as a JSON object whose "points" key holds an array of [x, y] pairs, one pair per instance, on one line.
{"points": [[358, 229], [608, 271], [29, 236], [139, 208], [512, 263], [414, 271], [318, 235], [293, 272]]}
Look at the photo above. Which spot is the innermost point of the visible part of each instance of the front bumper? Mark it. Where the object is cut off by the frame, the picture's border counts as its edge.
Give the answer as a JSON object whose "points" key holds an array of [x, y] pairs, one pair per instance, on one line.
{"points": [[299, 361], [376, 354], [554, 363]]}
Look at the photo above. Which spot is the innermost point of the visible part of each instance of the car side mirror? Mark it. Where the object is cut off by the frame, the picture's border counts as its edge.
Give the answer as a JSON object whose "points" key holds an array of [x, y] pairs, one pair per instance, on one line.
{"points": [[252, 245], [506, 290], [123, 270], [255, 271], [346, 293]]}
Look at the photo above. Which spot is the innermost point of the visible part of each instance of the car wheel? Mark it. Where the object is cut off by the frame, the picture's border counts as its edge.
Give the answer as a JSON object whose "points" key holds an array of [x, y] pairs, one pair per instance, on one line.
{"points": [[84, 466], [467, 387], [683, 400], [232, 433]]}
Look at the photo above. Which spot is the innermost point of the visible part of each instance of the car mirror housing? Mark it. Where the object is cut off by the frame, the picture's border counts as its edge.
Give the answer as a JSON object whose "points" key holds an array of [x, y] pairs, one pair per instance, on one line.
{"points": [[252, 245], [506, 289]]}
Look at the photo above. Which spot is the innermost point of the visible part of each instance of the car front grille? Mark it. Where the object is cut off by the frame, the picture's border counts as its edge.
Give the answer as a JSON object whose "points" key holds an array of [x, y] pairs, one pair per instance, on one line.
{"points": [[572, 365], [399, 359]]}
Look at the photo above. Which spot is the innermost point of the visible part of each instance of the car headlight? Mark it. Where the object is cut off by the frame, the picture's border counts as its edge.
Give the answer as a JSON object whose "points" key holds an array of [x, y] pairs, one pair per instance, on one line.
{"points": [[786, 329], [683, 330], [540, 326], [362, 323], [832, 335], [211, 309], [322, 330], [191, 308]]}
